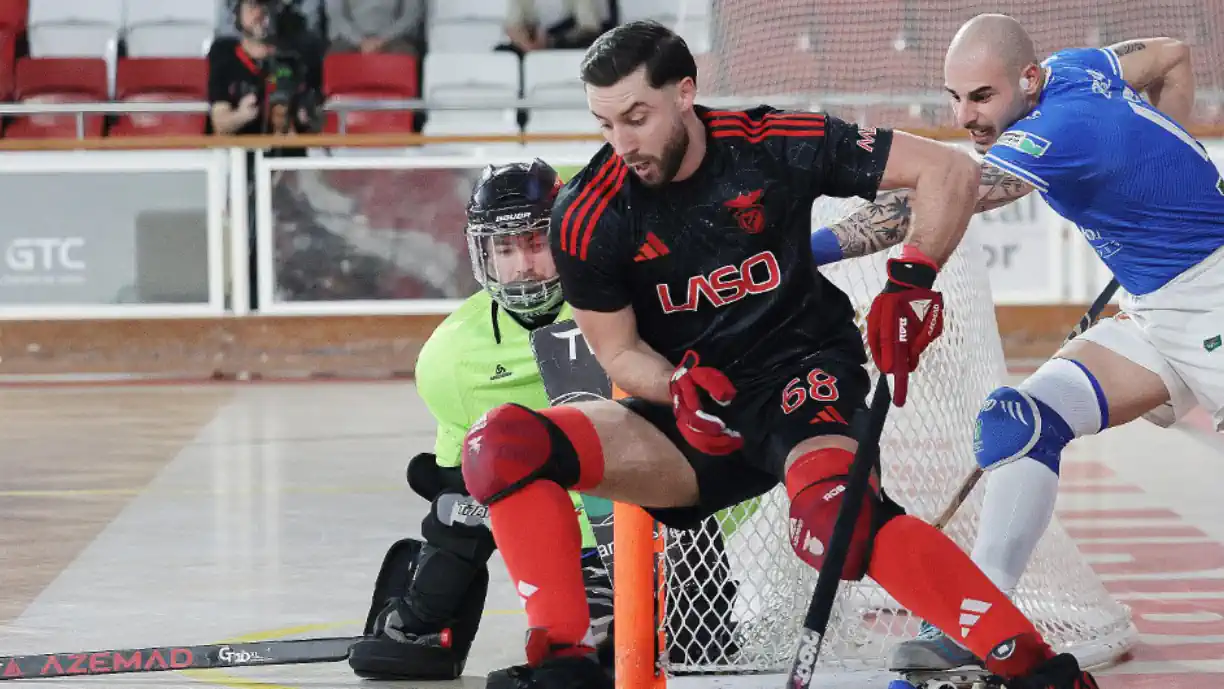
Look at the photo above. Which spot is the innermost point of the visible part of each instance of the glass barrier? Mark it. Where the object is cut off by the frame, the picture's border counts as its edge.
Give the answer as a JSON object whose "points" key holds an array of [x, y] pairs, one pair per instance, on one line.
{"points": [[366, 235], [112, 234], [385, 235]]}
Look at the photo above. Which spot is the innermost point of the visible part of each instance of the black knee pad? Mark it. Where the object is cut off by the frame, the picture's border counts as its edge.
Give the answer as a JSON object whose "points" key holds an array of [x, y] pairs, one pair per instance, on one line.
{"points": [[512, 446], [458, 524]]}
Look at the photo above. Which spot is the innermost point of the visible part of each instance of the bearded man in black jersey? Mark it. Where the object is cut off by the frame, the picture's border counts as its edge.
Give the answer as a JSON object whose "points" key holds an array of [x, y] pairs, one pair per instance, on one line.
{"points": [[683, 248]]}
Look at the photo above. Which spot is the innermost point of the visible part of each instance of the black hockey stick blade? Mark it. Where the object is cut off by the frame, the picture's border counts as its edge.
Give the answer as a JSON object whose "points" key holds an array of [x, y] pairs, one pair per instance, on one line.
{"points": [[816, 621], [1094, 311], [169, 658]]}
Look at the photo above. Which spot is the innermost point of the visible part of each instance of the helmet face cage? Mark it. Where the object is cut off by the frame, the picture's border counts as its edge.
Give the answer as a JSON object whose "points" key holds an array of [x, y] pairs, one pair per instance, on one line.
{"points": [[508, 220], [492, 247]]}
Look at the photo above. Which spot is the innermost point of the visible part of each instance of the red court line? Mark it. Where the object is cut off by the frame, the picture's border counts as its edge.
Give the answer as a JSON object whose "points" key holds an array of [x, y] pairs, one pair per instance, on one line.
{"points": [[1098, 488], [1211, 650], [1168, 680], [1136, 532], [1120, 586], [1084, 471], [1108, 513]]}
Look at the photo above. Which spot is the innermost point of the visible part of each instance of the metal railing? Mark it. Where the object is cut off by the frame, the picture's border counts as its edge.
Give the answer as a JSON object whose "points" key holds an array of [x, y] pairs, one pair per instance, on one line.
{"points": [[343, 106], [813, 101]]}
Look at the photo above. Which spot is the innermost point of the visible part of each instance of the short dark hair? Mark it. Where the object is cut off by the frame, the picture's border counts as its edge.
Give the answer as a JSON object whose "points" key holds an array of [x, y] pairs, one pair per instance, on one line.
{"points": [[619, 52]]}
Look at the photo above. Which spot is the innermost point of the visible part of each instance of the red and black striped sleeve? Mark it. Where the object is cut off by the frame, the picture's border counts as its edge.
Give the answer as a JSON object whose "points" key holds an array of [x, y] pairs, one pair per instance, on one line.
{"points": [[824, 155], [588, 236]]}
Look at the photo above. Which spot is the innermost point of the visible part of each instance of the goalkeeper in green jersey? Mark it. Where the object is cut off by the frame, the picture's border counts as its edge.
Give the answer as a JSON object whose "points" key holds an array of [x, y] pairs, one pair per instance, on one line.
{"points": [[429, 595]]}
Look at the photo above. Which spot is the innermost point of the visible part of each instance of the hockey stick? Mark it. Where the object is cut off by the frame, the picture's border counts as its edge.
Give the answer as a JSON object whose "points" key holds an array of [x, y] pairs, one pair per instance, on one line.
{"points": [[1086, 321], [169, 658], [816, 621]]}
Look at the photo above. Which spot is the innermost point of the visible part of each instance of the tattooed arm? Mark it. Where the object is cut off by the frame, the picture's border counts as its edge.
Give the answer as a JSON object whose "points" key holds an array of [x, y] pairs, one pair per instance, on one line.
{"points": [[877, 226], [1161, 67]]}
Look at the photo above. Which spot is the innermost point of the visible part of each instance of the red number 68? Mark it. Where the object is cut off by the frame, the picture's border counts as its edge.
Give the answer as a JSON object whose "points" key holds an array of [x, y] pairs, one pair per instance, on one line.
{"points": [[820, 386]]}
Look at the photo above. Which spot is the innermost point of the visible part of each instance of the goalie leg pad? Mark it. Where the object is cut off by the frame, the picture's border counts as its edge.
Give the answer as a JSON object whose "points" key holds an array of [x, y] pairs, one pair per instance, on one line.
{"points": [[398, 569], [459, 524], [701, 596], [512, 446], [1058, 403], [424, 615], [815, 483], [396, 653]]}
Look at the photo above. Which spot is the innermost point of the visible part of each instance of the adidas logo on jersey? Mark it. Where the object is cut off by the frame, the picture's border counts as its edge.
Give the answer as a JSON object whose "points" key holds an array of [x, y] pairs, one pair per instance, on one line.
{"points": [[828, 415], [653, 247]]}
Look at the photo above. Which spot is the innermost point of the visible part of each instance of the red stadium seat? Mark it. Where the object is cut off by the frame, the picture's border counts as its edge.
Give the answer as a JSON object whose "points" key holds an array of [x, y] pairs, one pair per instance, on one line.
{"points": [[14, 14], [160, 79], [357, 76], [58, 80], [8, 58]]}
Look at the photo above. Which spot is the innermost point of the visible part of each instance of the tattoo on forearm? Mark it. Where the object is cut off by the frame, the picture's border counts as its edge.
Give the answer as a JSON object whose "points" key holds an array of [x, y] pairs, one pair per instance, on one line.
{"points": [[876, 226], [998, 188], [1128, 47]]}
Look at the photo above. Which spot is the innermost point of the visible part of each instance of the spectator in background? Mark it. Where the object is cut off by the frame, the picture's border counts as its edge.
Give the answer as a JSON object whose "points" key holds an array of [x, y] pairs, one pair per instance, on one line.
{"points": [[257, 85], [248, 84], [577, 25], [376, 26]]}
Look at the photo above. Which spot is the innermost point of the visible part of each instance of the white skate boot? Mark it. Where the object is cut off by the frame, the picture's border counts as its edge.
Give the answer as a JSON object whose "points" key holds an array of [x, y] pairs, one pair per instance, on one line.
{"points": [[931, 650]]}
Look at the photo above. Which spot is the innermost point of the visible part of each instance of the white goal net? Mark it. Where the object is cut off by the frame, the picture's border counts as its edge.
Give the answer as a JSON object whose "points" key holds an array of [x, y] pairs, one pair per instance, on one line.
{"points": [[926, 452], [881, 61]]}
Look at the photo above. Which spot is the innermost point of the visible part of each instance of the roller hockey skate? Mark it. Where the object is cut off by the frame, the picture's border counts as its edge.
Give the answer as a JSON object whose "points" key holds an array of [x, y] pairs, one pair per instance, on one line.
{"points": [[548, 668], [931, 660]]}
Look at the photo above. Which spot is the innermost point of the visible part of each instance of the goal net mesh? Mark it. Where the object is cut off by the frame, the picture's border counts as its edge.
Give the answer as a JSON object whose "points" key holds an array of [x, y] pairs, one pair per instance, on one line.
{"points": [[881, 61], [926, 452]]}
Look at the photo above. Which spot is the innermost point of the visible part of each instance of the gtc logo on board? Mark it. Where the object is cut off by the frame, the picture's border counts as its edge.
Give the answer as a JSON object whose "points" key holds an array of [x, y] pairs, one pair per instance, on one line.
{"points": [[44, 260]]}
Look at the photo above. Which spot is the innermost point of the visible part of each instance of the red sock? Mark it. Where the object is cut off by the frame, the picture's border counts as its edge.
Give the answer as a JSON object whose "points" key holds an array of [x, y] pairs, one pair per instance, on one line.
{"points": [[537, 533], [934, 579]]}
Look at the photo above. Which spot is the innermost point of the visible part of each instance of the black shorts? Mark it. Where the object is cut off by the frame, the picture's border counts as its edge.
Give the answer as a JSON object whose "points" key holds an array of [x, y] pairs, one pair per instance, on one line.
{"points": [[818, 396]]}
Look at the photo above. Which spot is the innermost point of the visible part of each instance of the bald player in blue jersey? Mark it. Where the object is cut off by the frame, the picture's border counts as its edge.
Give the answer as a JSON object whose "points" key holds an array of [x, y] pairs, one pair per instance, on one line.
{"points": [[1096, 132]]}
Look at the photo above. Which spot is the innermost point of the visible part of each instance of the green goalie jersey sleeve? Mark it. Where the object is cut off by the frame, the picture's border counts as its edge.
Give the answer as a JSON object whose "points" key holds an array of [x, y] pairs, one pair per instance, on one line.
{"points": [[464, 370]]}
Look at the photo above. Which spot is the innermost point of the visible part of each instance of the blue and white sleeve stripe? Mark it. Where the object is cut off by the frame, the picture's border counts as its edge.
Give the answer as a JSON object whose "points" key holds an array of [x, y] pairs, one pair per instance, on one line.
{"points": [[1113, 60]]}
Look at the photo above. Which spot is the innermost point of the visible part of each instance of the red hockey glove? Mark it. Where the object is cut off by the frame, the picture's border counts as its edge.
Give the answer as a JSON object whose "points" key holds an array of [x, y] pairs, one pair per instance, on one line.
{"points": [[905, 318], [689, 385]]}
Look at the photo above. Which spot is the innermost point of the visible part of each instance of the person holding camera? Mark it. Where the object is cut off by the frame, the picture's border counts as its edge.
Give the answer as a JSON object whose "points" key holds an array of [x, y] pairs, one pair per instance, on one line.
{"points": [[267, 79]]}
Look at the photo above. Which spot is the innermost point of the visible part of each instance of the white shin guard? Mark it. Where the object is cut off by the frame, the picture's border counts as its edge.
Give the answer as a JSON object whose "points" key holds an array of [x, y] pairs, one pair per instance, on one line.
{"points": [[1018, 506]]}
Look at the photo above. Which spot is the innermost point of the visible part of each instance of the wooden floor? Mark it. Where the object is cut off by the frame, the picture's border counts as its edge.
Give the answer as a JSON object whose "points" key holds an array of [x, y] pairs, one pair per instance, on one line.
{"points": [[158, 515]]}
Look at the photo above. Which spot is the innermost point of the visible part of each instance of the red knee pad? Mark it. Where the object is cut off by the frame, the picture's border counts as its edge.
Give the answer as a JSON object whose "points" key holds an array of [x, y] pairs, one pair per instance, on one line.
{"points": [[511, 446], [816, 483]]}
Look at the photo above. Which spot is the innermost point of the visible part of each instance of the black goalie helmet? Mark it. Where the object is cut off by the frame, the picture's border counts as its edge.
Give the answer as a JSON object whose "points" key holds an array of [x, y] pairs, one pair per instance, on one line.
{"points": [[507, 235]]}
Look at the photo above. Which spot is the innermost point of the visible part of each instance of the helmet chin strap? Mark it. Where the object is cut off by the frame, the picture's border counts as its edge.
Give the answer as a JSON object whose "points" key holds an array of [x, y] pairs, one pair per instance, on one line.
{"points": [[538, 320]]}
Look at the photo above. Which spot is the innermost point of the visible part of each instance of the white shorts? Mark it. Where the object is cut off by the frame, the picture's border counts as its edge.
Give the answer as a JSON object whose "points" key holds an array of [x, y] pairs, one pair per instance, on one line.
{"points": [[1176, 332]]}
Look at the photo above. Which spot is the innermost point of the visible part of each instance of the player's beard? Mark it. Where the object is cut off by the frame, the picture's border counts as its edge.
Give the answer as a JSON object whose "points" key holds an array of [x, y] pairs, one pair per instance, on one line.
{"points": [[668, 163]]}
